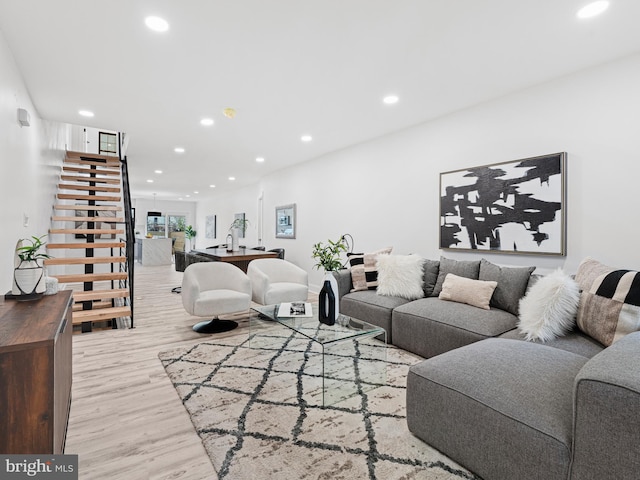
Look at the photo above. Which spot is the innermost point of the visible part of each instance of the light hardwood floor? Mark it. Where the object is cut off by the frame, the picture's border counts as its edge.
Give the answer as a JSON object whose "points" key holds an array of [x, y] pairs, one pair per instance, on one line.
{"points": [[126, 419]]}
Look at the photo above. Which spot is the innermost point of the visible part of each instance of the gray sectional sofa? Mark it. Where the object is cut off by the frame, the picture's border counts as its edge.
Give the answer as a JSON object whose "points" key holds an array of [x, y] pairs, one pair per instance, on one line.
{"points": [[503, 407], [429, 326]]}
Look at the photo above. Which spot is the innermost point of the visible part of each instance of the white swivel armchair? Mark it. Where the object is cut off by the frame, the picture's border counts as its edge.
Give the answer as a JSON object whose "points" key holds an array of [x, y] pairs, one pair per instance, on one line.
{"points": [[210, 289], [276, 281]]}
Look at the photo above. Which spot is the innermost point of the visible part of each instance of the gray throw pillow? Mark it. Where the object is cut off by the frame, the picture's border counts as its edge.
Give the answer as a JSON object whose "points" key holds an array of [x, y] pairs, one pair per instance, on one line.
{"points": [[461, 268], [512, 284], [431, 268]]}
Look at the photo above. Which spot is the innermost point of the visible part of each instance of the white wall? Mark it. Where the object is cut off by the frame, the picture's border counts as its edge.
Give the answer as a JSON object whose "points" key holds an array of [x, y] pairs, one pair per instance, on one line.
{"points": [[30, 162], [385, 192], [224, 207]]}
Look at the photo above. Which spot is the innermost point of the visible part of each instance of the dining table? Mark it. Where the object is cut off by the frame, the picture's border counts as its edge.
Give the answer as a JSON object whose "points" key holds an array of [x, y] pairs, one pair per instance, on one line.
{"points": [[240, 258]]}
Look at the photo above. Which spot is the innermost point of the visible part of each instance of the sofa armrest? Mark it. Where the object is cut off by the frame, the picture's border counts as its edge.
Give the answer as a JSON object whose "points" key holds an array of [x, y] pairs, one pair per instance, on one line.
{"points": [[607, 413], [344, 281]]}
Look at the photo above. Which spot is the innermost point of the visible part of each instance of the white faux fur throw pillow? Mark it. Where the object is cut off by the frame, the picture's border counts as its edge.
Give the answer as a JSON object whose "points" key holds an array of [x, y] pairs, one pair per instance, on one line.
{"points": [[400, 276], [476, 293], [549, 308]]}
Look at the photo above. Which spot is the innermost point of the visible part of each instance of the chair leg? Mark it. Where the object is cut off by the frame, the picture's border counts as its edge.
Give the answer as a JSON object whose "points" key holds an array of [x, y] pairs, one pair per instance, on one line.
{"points": [[215, 326]]}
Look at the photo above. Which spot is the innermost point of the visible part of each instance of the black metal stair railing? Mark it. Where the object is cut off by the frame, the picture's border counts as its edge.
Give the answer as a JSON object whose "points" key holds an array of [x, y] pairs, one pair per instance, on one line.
{"points": [[129, 226]]}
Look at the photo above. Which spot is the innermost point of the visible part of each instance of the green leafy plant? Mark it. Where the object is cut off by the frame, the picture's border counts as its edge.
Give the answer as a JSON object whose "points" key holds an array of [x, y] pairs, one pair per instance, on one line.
{"points": [[328, 256], [189, 232], [241, 223], [30, 253]]}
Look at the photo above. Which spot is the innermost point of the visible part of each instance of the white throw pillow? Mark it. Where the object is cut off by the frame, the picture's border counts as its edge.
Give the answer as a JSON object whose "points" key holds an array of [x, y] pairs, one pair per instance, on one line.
{"points": [[400, 276], [549, 308], [476, 293]]}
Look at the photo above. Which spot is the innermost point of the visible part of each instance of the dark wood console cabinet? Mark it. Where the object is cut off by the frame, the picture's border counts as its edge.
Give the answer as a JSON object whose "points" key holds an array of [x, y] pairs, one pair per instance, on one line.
{"points": [[35, 374]]}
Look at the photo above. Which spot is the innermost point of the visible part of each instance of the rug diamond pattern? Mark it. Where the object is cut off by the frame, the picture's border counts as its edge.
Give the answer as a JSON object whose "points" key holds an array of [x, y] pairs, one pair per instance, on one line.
{"points": [[257, 407]]}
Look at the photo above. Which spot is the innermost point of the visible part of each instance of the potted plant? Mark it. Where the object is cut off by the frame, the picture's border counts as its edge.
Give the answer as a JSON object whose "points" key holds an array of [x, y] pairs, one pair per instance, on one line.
{"points": [[328, 258], [190, 233], [238, 225], [28, 275]]}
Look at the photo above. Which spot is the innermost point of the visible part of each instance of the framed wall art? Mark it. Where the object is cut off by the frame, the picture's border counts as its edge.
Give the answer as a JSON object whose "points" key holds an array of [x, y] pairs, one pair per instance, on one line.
{"points": [[286, 221], [210, 227], [509, 207]]}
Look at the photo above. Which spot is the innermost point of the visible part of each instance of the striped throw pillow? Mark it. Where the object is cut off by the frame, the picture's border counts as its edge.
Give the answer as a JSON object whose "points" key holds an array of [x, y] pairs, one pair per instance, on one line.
{"points": [[609, 303], [364, 273]]}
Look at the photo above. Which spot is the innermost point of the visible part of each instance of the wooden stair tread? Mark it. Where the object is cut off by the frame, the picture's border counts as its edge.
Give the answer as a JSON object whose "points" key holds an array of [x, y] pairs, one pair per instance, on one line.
{"points": [[86, 245], [97, 156], [77, 307], [88, 188], [61, 218], [84, 260], [91, 295], [95, 162], [100, 314], [91, 277], [78, 178], [95, 171], [97, 198], [105, 208], [87, 231]]}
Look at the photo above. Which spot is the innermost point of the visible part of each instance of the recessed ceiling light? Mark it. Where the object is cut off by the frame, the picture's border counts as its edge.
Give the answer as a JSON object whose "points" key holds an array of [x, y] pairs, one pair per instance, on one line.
{"points": [[158, 171], [207, 122], [306, 138], [187, 196], [212, 186], [196, 192], [232, 178], [259, 159], [178, 150], [593, 9], [157, 24], [85, 113], [149, 181], [390, 99], [179, 198]]}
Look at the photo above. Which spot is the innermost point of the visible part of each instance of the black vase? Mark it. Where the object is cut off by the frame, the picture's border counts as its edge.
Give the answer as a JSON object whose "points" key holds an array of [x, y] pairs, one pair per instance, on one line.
{"points": [[327, 300]]}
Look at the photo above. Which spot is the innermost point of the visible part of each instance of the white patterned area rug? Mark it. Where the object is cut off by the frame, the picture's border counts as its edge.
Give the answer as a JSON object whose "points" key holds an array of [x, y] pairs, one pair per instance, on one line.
{"points": [[259, 413]]}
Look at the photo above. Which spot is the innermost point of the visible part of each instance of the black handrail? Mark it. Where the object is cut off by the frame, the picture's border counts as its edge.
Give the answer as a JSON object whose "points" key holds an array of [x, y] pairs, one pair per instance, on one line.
{"points": [[130, 227]]}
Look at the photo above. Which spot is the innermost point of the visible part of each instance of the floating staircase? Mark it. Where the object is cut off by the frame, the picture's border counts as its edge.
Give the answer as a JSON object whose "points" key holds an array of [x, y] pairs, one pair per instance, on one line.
{"points": [[94, 242]]}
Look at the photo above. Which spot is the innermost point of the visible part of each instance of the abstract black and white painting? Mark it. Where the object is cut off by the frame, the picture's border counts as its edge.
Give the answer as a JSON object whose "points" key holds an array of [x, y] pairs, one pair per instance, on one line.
{"points": [[509, 207]]}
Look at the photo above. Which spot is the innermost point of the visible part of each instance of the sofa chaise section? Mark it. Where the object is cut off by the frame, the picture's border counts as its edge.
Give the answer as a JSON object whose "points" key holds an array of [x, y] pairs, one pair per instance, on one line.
{"points": [[501, 408], [509, 409]]}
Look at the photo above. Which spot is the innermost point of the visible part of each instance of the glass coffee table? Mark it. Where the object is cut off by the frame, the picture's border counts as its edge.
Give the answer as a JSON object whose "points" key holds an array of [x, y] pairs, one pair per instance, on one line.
{"points": [[346, 356]]}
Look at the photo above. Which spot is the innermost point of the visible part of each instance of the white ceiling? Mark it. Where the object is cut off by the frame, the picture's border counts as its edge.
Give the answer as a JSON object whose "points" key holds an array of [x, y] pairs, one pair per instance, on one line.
{"points": [[288, 67]]}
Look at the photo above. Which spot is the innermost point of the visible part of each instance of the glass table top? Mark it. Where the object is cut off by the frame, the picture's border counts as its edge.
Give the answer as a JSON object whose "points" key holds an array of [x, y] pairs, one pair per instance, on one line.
{"points": [[345, 327]]}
